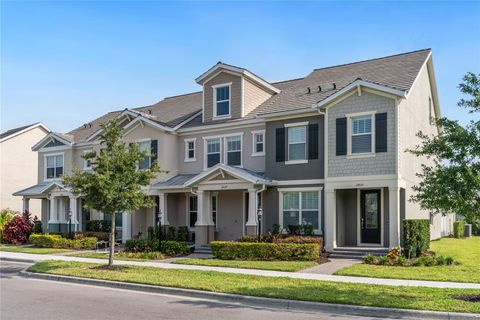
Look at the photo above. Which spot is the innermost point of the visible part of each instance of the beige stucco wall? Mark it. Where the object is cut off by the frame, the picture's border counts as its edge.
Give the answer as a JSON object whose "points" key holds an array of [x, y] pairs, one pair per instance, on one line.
{"points": [[19, 169], [235, 95], [414, 115]]}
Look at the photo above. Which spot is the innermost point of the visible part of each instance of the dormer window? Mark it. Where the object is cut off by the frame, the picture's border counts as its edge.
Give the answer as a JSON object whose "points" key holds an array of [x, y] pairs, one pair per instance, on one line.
{"points": [[222, 100]]}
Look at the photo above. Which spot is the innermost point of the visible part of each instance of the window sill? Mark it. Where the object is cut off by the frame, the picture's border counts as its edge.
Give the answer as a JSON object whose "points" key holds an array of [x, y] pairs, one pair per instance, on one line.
{"points": [[260, 154], [228, 116], [361, 155], [190, 160], [296, 162]]}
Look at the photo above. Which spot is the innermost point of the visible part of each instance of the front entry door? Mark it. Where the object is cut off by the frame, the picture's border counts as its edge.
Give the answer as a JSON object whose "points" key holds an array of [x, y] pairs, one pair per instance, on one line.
{"points": [[370, 217]]}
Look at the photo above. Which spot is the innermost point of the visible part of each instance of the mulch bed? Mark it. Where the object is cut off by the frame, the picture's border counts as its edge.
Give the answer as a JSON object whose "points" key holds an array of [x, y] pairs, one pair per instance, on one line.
{"points": [[109, 268]]}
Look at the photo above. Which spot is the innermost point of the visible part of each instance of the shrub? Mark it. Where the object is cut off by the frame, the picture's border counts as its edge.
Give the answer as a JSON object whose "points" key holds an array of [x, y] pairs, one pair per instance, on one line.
{"points": [[384, 260], [140, 245], [182, 234], [101, 236], [173, 248], [370, 259], [459, 229], [55, 241], [449, 260], [393, 253], [98, 226], [294, 229], [307, 229], [37, 226], [264, 251], [416, 237], [401, 261], [5, 216], [440, 261], [276, 229], [171, 233], [18, 229]]}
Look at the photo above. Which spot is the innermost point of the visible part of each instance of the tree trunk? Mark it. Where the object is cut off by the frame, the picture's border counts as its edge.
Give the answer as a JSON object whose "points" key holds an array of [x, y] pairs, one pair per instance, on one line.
{"points": [[112, 242]]}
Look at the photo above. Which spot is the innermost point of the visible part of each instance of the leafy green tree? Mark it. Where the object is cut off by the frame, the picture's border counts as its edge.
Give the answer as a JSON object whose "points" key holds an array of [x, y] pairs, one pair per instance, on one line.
{"points": [[451, 183], [114, 184]]}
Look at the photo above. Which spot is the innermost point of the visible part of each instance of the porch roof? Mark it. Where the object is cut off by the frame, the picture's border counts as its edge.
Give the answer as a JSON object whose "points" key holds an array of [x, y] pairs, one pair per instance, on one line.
{"points": [[176, 182], [39, 190]]}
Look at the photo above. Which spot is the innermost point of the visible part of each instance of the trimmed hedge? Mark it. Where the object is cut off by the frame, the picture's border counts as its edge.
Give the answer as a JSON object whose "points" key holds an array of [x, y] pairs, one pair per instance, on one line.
{"points": [[170, 248], [416, 237], [459, 229], [101, 236], [56, 241], [264, 251]]}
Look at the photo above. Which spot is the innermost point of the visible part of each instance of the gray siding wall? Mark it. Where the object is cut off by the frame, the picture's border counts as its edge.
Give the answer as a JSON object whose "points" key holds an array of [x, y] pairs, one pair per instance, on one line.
{"points": [[314, 169], [381, 163]]}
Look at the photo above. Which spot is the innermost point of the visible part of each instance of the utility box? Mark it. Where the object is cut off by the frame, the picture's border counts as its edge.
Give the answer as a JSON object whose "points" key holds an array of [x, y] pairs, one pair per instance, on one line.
{"points": [[468, 230]]}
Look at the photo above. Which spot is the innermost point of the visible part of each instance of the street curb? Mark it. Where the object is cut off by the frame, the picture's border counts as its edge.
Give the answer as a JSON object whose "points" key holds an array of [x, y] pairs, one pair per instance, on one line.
{"points": [[259, 301], [18, 260]]}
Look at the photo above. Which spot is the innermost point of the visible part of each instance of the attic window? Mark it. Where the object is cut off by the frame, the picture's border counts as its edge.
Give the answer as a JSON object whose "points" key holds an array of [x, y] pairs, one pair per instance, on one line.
{"points": [[222, 100]]}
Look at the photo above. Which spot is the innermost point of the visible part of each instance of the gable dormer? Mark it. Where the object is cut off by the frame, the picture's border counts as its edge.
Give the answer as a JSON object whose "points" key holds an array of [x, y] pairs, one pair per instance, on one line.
{"points": [[231, 92]]}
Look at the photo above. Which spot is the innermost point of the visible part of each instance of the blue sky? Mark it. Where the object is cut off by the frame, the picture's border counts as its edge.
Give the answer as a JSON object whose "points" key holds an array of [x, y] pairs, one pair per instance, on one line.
{"points": [[66, 63]]}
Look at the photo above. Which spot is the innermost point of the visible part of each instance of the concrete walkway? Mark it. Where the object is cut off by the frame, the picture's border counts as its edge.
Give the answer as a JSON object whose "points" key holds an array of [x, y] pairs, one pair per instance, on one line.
{"points": [[332, 266], [13, 256]]}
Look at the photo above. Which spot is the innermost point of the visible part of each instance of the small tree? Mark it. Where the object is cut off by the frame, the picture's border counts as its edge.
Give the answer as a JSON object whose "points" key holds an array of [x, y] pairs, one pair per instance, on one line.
{"points": [[114, 184], [452, 182]]}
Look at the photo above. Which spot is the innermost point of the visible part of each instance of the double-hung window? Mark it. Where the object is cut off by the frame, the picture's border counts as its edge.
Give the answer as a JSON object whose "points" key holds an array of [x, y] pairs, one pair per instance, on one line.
{"points": [[214, 208], [145, 162], [258, 143], [297, 143], [87, 163], [222, 100], [213, 152], [54, 166], [190, 150], [234, 150], [361, 127], [300, 207], [192, 211]]}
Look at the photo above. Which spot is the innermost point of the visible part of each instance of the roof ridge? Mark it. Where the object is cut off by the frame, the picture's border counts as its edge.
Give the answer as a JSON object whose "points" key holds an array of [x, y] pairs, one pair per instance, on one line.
{"points": [[373, 59], [294, 79]]}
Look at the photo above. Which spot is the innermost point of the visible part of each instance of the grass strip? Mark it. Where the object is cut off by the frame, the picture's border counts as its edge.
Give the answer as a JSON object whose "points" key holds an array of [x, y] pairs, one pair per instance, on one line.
{"points": [[465, 251], [34, 250], [288, 266], [419, 298]]}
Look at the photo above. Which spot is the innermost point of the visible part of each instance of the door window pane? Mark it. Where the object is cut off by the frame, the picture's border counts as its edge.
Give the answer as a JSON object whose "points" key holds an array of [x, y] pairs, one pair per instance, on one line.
{"points": [[371, 211]]}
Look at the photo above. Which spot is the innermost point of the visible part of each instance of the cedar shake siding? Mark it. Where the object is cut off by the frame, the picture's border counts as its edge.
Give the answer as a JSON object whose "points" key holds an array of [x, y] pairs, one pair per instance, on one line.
{"points": [[235, 96]]}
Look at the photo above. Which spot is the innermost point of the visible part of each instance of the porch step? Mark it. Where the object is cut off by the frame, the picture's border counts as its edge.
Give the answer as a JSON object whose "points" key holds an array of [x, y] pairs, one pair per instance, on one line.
{"points": [[205, 249], [356, 253]]}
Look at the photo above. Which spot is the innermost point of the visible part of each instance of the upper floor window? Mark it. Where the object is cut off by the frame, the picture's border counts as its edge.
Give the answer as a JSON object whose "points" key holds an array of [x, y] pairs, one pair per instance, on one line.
{"points": [[190, 150], [54, 166], [222, 101], [213, 152], [234, 150], [297, 143], [87, 163], [258, 143], [361, 134], [145, 163]]}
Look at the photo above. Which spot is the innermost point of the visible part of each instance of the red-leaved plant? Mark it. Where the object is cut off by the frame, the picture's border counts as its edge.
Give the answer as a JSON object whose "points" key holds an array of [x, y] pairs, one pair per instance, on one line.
{"points": [[18, 229]]}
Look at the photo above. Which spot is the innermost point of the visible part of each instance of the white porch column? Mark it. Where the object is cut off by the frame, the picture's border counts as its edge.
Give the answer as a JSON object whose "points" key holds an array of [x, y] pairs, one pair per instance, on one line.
{"points": [[252, 212], [203, 234], [73, 208], [126, 226], [201, 209], [330, 235], [162, 202], [26, 204], [394, 216], [53, 210]]}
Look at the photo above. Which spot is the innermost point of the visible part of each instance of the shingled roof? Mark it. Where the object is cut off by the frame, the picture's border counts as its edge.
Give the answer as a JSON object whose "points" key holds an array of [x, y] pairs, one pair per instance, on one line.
{"points": [[396, 72]]}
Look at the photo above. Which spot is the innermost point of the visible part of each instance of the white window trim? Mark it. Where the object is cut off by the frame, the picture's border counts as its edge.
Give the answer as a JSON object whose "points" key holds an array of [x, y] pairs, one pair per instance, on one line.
{"points": [[214, 89], [85, 166], [45, 165], [186, 158], [150, 150], [349, 116], [292, 125], [254, 143], [225, 149], [222, 148], [281, 191]]}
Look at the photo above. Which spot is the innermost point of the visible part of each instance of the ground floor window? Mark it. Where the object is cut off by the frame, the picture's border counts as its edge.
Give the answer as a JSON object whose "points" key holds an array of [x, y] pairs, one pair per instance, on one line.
{"points": [[192, 211], [300, 207], [214, 208]]}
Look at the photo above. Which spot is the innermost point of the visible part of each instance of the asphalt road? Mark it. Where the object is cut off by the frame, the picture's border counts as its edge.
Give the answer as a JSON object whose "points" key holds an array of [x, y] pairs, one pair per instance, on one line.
{"points": [[22, 298]]}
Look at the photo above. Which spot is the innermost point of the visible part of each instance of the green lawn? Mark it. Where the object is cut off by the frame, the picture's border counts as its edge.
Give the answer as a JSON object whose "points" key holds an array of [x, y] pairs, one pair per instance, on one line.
{"points": [[12, 248], [273, 287], [289, 266], [464, 251], [99, 255]]}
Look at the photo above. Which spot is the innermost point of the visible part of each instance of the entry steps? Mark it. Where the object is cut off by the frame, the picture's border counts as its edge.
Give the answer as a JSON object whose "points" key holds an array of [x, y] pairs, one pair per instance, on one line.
{"points": [[204, 249], [356, 252]]}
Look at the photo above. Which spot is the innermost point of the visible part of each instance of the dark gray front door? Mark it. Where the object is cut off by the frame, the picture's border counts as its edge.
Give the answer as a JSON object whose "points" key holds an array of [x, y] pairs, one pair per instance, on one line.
{"points": [[370, 217]]}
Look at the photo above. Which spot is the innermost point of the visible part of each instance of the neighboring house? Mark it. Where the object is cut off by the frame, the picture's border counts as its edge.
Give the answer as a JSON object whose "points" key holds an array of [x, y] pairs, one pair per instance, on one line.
{"points": [[19, 165], [327, 149]]}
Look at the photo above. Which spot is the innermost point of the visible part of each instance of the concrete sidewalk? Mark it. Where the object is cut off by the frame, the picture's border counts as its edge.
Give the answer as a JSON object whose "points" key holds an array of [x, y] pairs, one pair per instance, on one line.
{"points": [[24, 257]]}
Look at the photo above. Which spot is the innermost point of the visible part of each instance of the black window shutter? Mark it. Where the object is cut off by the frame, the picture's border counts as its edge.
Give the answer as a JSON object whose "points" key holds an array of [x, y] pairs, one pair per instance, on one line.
{"points": [[381, 132], [313, 141], [280, 144], [341, 136], [154, 150]]}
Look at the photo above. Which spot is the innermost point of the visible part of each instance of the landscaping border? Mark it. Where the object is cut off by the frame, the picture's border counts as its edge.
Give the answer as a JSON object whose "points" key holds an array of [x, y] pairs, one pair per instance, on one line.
{"points": [[258, 301]]}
